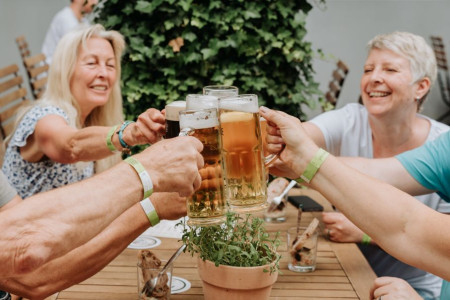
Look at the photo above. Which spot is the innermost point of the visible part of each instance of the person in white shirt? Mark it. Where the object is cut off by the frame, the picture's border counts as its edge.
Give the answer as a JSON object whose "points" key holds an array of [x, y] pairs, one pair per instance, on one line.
{"points": [[70, 17]]}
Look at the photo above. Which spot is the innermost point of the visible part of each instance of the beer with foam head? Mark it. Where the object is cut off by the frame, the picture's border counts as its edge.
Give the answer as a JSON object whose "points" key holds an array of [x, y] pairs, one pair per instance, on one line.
{"points": [[172, 118], [207, 206], [198, 101], [242, 150]]}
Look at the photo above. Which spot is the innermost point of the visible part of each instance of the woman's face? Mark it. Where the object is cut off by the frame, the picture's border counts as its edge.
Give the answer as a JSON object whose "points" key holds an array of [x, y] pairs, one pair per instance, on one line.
{"points": [[94, 75], [386, 84]]}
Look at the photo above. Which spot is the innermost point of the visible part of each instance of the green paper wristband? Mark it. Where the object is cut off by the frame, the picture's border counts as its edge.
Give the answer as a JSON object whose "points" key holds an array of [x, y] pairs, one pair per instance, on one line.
{"points": [[146, 181], [109, 142], [365, 239], [313, 166], [150, 211]]}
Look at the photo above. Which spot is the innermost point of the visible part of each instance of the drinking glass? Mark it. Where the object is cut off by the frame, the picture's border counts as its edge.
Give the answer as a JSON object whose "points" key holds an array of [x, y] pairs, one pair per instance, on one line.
{"points": [[198, 101], [172, 118], [163, 288], [302, 259], [242, 150], [207, 206], [221, 91]]}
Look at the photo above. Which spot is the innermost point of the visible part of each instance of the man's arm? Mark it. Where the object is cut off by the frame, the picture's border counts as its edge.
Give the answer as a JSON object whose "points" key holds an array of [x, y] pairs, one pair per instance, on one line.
{"points": [[88, 259], [48, 225], [401, 225], [388, 170]]}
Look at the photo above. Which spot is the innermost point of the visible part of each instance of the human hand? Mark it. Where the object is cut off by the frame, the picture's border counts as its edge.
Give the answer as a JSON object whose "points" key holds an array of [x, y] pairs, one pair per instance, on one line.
{"points": [[389, 288], [173, 165], [299, 149], [148, 129], [340, 229], [169, 206]]}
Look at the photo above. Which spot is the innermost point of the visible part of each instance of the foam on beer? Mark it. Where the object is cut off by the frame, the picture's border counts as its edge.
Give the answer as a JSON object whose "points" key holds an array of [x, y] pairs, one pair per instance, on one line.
{"points": [[173, 109], [238, 104], [201, 102], [197, 120]]}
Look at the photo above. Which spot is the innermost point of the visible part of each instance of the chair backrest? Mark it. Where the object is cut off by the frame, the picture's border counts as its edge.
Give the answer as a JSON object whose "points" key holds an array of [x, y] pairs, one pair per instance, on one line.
{"points": [[336, 83], [36, 68], [23, 46], [443, 74], [12, 97]]}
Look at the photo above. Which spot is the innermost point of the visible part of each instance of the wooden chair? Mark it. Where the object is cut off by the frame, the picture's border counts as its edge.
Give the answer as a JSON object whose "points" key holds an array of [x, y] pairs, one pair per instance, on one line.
{"points": [[443, 74], [12, 97], [36, 68], [335, 85]]}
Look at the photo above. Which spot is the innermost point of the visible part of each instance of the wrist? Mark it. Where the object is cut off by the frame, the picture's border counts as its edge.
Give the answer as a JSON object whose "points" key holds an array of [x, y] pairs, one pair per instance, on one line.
{"points": [[311, 161]]}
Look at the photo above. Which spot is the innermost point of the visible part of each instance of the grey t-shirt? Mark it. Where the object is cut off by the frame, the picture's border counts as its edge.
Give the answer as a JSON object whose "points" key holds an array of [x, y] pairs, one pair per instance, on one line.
{"points": [[6, 190]]}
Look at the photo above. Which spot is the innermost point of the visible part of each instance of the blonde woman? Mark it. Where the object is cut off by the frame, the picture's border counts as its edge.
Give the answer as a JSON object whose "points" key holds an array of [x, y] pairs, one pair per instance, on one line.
{"points": [[79, 119]]}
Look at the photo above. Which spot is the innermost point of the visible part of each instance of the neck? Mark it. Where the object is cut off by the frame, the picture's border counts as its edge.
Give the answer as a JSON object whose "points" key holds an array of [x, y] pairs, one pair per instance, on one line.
{"points": [[391, 136], [77, 8]]}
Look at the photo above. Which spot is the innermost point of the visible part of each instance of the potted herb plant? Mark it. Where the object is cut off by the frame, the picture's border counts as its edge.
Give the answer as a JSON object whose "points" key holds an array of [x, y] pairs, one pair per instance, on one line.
{"points": [[236, 260]]}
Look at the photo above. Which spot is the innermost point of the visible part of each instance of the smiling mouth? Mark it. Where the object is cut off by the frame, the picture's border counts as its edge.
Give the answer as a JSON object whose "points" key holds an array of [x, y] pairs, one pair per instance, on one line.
{"points": [[99, 88], [378, 94]]}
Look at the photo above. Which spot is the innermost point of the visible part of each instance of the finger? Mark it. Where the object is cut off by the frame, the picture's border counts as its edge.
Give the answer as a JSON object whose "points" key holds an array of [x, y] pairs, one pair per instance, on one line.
{"points": [[274, 148], [273, 139], [197, 182]]}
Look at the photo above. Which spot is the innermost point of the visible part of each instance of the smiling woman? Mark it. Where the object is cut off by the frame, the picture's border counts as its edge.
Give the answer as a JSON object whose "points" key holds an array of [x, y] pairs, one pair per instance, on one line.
{"points": [[76, 123], [398, 73]]}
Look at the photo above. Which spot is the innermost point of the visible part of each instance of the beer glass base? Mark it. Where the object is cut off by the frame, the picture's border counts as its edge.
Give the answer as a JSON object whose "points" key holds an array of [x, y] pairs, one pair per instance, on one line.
{"points": [[206, 221], [242, 209], [301, 269]]}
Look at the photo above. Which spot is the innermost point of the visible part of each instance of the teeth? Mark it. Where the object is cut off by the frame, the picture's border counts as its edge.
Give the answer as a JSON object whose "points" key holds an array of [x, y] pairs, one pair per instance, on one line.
{"points": [[100, 88], [378, 94]]}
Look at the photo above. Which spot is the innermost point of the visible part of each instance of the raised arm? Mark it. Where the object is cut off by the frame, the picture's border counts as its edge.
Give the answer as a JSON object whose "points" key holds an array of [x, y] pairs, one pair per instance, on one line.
{"points": [[54, 138], [88, 259], [389, 170], [400, 224], [48, 225]]}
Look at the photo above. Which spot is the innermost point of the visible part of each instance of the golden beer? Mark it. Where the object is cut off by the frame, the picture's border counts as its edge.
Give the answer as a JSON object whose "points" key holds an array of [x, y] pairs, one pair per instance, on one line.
{"points": [[245, 179], [207, 205]]}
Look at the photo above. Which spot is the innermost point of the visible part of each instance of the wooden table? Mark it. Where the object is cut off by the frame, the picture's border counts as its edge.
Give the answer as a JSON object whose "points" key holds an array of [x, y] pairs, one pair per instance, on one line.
{"points": [[341, 273]]}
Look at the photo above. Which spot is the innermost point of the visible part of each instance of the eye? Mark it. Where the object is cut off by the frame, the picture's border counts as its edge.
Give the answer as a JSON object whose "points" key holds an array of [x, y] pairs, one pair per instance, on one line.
{"points": [[367, 70]]}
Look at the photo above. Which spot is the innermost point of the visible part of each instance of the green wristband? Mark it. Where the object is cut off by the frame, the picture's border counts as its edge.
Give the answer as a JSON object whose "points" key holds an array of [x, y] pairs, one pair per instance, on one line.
{"points": [[109, 142], [313, 166], [150, 211], [146, 181], [365, 239]]}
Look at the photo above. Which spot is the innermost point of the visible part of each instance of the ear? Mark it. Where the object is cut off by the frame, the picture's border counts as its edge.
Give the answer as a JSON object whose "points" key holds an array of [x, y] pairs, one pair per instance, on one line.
{"points": [[423, 86]]}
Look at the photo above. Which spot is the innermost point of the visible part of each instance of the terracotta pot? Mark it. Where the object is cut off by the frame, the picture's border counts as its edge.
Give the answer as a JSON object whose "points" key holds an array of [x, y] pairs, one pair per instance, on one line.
{"points": [[233, 283]]}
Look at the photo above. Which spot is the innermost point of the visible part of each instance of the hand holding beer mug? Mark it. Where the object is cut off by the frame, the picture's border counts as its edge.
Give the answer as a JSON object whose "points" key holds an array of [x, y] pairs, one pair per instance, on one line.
{"points": [[207, 206], [198, 101], [242, 150], [172, 118], [221, 91]]}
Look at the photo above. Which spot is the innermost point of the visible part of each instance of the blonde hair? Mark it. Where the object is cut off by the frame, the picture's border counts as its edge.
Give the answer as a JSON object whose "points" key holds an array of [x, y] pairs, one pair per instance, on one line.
{"points": [[58, 91], [413, 47]]}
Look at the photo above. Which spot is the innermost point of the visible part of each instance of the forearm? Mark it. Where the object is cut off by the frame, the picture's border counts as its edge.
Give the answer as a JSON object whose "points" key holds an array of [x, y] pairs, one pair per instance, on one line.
{"points": [[388, 170], [82, 262], [44, 223], [400, 224]]}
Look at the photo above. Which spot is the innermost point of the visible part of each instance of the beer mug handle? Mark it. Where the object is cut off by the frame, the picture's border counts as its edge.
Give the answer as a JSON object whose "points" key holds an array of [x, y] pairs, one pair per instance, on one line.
{"points": [[186, 131], [270, 159]]}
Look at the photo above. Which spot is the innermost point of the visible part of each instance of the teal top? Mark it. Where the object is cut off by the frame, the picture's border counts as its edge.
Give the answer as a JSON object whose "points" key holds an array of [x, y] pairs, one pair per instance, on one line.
{"points": [[430, 166]]}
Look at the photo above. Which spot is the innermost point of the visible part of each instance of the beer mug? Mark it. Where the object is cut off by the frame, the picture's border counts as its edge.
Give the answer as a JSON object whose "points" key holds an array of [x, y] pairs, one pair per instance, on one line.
{"points": [[242, 151], [199, 101], [172, 118], [207, 206], [221, 91]]}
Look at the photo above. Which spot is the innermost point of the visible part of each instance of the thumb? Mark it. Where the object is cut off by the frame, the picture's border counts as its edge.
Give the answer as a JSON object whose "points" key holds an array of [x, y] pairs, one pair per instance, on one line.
{"points": [[276, 117]]}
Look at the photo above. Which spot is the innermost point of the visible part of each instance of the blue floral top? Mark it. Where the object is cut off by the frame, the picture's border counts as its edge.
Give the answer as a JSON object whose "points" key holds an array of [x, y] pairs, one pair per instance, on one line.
{"points": [[30, 178]]}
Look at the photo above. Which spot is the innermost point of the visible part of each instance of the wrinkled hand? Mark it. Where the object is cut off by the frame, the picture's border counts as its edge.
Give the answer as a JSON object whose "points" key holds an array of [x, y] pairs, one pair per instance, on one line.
{"points": [[283, 129], [390, 288], [169, 206], [173, 165], [148, 129], [340, 229]]}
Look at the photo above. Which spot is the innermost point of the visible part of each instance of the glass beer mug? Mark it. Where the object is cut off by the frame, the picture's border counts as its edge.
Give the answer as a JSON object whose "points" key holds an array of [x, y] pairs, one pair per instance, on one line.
{"points": [[199, 101], [172, 118], [242, 151], [221, 91], [207, 206]]}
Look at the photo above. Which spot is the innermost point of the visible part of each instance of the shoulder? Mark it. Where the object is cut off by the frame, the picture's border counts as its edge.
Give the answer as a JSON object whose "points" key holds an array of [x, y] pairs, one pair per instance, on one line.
{"points": [[436, 128]]}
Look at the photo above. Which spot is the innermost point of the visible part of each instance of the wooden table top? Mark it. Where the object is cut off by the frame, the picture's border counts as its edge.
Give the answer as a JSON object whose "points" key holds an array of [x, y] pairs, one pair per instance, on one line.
{"points": [[341, 273]]}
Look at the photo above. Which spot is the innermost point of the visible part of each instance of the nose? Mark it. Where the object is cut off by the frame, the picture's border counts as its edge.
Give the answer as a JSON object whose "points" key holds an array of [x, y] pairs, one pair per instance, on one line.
{"points": [[376, 76], [102, 71]]}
